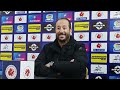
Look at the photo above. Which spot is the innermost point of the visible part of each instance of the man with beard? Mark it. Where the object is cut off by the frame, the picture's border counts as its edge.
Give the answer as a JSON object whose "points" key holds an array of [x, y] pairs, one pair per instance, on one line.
{"points": [[64, 58]]}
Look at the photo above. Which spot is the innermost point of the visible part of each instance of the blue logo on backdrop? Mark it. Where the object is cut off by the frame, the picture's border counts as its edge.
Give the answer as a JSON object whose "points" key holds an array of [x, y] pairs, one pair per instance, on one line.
{"points": [[19, 56], [49, 17], [34, 18], [114, 47], [65, 15], [115, 25], [114, 77], [21, 28], [7, 20]]}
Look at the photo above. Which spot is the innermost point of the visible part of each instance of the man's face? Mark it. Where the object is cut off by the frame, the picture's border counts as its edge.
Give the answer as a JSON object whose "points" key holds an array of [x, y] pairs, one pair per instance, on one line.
{"points": [[62, 30]]}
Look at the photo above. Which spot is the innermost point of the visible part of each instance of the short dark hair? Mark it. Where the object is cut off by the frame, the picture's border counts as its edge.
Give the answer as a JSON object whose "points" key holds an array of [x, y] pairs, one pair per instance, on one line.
{"points": [[65, 19]]}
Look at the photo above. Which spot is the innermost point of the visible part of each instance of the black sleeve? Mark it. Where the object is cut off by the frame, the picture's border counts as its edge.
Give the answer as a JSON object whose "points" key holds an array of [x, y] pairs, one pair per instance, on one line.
{"points": [[40, 68], [76, 67]]}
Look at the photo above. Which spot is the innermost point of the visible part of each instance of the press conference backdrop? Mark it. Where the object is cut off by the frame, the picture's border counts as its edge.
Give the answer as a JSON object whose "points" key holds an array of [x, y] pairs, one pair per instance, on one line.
{"points": [[24, 33]]}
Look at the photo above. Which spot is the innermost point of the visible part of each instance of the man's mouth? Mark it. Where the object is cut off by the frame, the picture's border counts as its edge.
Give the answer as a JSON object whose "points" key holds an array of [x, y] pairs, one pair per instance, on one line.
{"points": [[62, 36]]}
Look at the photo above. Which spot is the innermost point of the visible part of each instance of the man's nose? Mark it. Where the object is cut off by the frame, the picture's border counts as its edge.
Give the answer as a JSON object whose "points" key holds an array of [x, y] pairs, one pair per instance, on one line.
{"points": [[61, 30]]}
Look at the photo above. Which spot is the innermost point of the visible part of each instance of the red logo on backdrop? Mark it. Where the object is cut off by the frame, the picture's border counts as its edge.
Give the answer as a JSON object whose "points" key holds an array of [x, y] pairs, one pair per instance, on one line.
{"points": [[99, 14], [98, 45], [11, 72], [19, 37], [27, 72], [81, 14], [20, 19], [33, 56], [99, 36], [117, 35], [34, 37], [6, 37], [49, 37], [81, 36]]}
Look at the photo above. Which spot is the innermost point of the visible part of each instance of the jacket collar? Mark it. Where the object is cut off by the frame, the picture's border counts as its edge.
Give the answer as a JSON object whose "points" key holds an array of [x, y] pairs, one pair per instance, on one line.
{"points": [[69, 45]]}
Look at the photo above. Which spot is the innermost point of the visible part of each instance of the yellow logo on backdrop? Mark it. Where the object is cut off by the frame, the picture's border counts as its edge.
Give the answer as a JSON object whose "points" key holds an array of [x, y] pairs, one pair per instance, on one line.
{"points": [[81, 26], [20, 47], [6, 56], [99, 58], [34, 27], [6, 28]]}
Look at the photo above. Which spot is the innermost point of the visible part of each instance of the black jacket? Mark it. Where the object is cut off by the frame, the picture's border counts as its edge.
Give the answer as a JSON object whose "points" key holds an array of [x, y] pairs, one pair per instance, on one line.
{"points": [[61, 58]]}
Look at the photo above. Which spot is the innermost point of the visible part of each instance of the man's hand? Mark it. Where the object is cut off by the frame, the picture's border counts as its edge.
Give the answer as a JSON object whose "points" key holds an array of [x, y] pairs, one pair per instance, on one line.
{"points": [[49, 64], [72, 60]]}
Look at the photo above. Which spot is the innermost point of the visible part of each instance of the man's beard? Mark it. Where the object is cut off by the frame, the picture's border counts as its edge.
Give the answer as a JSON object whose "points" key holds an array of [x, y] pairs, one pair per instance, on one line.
{"points": [[67, 36]]}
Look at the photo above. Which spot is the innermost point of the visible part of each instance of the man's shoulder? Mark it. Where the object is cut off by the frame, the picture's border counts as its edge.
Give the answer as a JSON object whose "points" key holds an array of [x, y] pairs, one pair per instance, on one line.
{"points": [[76, 43], [79, 44], [48, 45]]}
